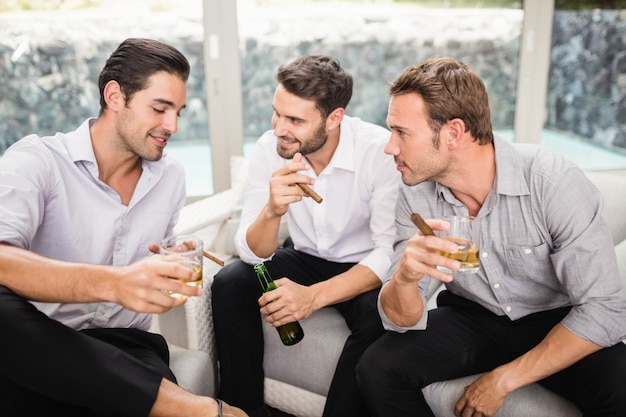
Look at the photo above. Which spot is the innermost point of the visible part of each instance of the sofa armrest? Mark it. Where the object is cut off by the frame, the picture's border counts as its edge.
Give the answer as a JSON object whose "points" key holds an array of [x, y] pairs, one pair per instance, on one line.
{"points": [[189, 329], [189, 332]]}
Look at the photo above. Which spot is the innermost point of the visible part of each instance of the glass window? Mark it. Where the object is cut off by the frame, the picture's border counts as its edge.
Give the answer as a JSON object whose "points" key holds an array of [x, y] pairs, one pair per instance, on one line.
{"points": [[586, 98], [376, 41], [51, 55]]}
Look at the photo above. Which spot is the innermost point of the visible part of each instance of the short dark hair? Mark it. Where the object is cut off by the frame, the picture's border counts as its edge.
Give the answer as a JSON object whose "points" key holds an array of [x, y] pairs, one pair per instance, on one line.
{"points": [[137, 59], [319, 78], [450, 89]]}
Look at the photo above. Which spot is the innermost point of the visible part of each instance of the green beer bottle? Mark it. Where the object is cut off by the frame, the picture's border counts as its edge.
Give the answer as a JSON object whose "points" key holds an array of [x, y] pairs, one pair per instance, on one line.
{"points": [[290, 333]]}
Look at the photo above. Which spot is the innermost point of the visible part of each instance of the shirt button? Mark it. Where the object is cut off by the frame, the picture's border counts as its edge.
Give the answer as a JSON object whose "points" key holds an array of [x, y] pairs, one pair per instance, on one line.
{"points": [[528, 251], [483, 254], [508, 309], [496, 286]]}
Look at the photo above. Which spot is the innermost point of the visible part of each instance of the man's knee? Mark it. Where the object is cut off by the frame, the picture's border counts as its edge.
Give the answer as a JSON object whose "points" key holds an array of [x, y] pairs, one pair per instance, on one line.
{"points": [[234, 286], [233, 278], [613, 383]]}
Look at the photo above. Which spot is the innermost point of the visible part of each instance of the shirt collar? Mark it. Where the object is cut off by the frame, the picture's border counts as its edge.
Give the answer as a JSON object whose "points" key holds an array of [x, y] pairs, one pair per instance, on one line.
{"points": [[80, 149], [78, 143], [343, 158], [509, 175]]}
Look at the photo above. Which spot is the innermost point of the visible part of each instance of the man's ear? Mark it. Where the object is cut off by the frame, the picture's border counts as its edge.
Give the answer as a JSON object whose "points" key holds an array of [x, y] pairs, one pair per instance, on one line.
{"points": [[114, 96], [454, 133], [334, 118]]}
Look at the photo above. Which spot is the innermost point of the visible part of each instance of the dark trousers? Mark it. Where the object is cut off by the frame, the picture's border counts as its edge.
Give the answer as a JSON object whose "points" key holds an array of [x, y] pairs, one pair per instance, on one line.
{"points": [[462, 339], [49, 369], [239, 334]]}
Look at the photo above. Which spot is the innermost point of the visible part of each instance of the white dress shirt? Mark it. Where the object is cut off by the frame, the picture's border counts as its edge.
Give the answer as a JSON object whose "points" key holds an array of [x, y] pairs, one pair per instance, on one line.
{"points": [[53, 203], [355, 222]]}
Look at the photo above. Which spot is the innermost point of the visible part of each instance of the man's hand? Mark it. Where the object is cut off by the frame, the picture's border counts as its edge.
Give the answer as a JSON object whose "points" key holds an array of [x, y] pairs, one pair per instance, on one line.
{"points": [[482, 398], [288, 303], [283, 188], [401, 299], [143, 286], [420, 256]]}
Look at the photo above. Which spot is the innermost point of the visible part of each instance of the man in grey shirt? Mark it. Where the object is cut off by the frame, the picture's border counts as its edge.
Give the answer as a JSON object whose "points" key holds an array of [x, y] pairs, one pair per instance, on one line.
{"points": [[547, 304]]}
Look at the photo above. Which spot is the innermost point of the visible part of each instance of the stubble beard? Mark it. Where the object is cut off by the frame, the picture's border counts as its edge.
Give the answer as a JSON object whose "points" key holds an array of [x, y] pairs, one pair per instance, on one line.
{"points": [[437, 168], [315, 143], [132, 142]]}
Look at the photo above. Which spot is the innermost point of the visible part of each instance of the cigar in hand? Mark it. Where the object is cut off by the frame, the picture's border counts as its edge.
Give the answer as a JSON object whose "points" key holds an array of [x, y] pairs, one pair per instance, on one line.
{"points": [[422, 225], [309, 191], [213, 258]]}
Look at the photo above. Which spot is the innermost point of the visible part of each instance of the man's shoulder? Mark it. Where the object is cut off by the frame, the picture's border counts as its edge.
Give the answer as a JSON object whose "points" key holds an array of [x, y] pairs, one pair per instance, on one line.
{"points": [[359, 125], [37, 149], [539, 161], [366, 135]]}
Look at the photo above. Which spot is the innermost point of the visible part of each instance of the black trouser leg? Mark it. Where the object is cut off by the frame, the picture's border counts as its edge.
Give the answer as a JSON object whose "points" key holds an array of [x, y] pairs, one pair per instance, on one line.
{"points": [[237, 321], [461, 339], [596, 384], [361, 315], [49, 366], [239, 335]]}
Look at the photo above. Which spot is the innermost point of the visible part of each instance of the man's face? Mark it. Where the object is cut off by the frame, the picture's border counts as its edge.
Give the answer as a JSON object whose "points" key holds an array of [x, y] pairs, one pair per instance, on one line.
{"points": [[297, 124], [416, 149], [151, 116]]}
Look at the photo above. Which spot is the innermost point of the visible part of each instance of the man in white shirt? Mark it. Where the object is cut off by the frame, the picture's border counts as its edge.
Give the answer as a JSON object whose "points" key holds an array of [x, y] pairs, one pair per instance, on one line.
{"points": [[339, 250], [80, 213]]}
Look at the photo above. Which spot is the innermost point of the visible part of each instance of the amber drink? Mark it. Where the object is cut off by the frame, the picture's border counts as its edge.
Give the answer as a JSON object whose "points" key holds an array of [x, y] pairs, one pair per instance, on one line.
{"points": [[464, 232], [186, 250]]}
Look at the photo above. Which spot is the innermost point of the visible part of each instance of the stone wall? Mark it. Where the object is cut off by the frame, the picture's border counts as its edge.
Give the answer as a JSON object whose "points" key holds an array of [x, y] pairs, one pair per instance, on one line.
{"points": [[587, 84], [49, 64]]}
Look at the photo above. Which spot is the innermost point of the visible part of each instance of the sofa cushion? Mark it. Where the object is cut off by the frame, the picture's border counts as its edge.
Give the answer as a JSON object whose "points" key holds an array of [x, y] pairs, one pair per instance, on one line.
{"points": [[612, 186], [311, 363], [193, 370], [532, 400]]}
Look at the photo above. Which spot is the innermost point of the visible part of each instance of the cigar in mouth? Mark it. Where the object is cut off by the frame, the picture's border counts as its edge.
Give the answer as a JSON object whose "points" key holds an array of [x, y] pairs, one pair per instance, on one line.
{"points": [[310, 192], [422, 225]]}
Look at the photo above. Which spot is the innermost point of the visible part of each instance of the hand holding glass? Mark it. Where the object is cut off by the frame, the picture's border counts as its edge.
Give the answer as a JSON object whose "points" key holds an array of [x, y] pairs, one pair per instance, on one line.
{"points": [[464, 232], [188, 251]]}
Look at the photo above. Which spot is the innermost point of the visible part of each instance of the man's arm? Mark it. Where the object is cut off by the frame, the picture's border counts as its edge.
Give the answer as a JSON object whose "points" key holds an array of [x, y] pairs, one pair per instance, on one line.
{"points": [[401, 299], [257, 236], [291, 301], [137, 287], [559, 350]]}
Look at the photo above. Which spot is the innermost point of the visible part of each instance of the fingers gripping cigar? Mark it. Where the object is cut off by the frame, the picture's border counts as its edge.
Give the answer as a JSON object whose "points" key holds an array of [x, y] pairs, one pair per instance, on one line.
{"points": [[422, 225], [309, 191]]}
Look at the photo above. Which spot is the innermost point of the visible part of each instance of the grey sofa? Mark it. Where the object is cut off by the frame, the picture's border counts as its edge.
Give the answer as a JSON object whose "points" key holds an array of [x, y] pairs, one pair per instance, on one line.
{"points": [[298, 377]]}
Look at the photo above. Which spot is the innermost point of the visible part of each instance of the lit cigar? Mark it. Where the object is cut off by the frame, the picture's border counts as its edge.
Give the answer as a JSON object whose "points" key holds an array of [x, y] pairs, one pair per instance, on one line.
{"points": [[422, 225], [213, 258], [309, 191]]}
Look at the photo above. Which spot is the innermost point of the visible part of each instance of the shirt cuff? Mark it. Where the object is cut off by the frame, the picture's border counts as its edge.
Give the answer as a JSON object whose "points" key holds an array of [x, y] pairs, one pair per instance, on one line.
{"points": [[379, 262], [391, 326]]}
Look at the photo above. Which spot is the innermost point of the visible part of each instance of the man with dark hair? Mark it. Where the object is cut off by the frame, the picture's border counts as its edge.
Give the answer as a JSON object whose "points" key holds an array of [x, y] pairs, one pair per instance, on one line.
{"points": [[547, 303], [338, 251], [80, 213]]}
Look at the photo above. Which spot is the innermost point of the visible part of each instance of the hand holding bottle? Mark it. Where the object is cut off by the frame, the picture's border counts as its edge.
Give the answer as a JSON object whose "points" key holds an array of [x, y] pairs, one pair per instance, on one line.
{"points": [[290, 333]]}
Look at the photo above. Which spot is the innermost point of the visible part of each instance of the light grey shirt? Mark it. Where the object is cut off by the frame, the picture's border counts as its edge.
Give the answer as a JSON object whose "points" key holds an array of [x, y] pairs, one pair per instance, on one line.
{"points": [[52, 203], [355, 221], [543, 244]]}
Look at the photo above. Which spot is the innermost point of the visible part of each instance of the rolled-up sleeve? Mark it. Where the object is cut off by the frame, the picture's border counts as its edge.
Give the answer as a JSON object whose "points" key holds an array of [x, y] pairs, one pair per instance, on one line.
{"points": [[585, 263], [385, 183], [391, 326], [256, 196]]}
